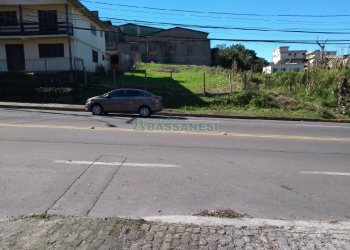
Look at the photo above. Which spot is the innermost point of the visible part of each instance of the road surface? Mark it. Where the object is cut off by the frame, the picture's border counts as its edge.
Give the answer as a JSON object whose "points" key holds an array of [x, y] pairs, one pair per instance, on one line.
{"points": [[72, 163]]}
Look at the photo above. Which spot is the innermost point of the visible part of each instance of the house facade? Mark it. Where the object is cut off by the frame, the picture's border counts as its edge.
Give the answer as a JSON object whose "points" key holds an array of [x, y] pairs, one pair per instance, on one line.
{"points": [[50, 36], [174, 46], [284, 55]]}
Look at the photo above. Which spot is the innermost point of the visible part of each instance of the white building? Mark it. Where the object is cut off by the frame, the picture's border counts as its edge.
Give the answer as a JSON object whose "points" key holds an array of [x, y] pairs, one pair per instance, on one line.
{"points": [[287, 67], [314, 56], [284, 59], [284, 55], [50, 36]]}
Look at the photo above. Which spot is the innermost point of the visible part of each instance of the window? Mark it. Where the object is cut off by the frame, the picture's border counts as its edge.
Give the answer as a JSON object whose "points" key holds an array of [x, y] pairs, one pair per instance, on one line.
{"points": [[51, 50], [132, 93], [8, 18], [134, 48], [95, 56], [274, 70], [296, 70], [117, 93], [48, 21], [93, 30], [146, 94], [101, 33]]}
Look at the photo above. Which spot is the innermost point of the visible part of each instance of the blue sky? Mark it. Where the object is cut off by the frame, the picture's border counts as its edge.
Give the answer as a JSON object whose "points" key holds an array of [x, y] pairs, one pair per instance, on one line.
{"points": [[268, 8]]}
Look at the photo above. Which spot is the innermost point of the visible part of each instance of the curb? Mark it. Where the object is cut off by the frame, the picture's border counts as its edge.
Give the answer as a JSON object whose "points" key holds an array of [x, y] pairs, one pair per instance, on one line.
{"points": [[42, 108], [165, 113], [255, 117], [249, 222]]}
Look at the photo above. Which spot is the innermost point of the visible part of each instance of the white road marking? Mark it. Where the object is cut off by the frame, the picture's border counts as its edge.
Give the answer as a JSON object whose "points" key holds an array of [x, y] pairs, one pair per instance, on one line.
{"points": [[126, 164], [324, 173], [322, 126]]}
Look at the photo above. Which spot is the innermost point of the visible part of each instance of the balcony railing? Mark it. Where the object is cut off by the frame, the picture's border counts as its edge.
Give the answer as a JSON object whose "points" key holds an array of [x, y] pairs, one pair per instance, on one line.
{"points": [[33, 29], [42, 65]]}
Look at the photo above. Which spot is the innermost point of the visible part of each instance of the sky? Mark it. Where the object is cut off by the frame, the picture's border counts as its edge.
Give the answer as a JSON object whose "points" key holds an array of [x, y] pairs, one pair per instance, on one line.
{"points": [[328, 16]]}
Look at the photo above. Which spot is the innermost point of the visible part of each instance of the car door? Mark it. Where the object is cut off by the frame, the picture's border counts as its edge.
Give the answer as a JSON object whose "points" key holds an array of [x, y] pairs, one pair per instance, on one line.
{"points": [[133, 100], [115, 102]]}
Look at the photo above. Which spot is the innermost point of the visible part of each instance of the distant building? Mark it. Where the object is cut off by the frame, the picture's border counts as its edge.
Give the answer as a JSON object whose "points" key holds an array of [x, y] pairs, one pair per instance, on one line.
{"points": [[284, 55], [46, 36], [313, 56], [287, 67], [176, 45], [284, 59]]}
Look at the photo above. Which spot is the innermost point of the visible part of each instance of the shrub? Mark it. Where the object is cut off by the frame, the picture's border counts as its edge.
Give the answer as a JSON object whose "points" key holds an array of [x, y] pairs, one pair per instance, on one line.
{"points": [[54, 91], [262, 100], [243, 99]]}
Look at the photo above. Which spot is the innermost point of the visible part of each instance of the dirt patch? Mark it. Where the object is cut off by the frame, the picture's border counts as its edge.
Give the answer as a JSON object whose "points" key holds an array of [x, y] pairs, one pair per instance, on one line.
{"points": [[222, 213], [167, 70]]}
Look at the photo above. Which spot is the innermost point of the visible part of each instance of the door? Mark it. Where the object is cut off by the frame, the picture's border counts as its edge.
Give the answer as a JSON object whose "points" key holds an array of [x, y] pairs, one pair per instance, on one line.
{"points": [[133, 101], [48, 22], [15, 57], [115, 102]]}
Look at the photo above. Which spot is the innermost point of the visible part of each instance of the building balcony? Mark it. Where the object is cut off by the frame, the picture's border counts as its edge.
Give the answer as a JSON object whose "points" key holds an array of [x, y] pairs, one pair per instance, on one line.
{"points": [[41, 65], [36, 29]]}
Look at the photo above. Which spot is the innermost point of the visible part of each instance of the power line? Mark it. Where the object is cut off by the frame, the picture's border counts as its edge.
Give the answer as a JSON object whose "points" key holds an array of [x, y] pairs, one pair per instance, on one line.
{"points": [[230, 28], [215, 12], [216, 27], [331, 42]]}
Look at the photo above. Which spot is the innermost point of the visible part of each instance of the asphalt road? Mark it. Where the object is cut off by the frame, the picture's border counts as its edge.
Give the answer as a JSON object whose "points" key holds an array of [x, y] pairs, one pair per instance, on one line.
{"points": [[76, 164]]}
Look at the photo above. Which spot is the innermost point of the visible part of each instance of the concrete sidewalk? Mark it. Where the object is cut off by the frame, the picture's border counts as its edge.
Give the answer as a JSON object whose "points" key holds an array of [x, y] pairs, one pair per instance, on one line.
{"points": [[41, 232], [166, 112], [44, 106]]}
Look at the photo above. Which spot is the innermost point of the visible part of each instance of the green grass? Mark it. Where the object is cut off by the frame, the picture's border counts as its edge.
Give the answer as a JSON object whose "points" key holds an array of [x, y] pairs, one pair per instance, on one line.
{"points": [[287, 95]]}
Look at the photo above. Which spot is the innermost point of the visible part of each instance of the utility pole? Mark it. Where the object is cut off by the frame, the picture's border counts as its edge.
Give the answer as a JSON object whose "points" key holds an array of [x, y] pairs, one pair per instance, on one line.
{"points": [[322, 46]]}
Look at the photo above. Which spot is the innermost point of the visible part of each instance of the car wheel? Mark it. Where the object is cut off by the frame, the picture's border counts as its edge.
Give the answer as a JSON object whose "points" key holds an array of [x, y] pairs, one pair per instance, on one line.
{"points": [[97, 109], [145, 112]]}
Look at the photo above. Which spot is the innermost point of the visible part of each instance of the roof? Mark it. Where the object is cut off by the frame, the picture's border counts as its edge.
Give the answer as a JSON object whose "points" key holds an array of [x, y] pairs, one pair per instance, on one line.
{"points": [[88, 12], [182, 29], [144, 30]]}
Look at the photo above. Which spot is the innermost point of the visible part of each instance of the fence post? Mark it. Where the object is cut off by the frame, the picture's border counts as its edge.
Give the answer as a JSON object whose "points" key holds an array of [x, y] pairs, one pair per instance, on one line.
{"points": [[231, 87], [85, 77], [204, 92], [45, 65]]}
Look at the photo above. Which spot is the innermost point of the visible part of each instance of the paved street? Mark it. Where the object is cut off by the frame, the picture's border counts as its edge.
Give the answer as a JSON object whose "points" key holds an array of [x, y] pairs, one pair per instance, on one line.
{"points": [[71, 163]]}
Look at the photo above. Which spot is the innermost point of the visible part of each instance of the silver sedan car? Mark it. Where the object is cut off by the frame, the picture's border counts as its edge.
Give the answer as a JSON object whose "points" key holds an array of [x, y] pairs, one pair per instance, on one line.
{"points": [[125, 101]]}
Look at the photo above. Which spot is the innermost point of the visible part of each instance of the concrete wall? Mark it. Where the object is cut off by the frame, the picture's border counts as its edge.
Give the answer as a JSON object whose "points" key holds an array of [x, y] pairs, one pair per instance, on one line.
{"points": [[187, 52], [289, 67], [84, 41]]}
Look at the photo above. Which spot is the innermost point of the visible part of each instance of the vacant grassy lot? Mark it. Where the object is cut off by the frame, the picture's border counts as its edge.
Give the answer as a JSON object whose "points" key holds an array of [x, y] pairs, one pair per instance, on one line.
{"points": [[291, 95]]}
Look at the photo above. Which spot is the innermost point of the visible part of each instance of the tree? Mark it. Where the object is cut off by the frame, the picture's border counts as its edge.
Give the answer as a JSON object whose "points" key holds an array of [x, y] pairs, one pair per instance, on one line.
{"points": [[246, 59]]}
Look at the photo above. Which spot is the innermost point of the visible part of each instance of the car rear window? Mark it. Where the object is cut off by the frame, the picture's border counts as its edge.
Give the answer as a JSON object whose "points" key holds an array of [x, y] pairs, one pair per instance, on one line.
{"points": [[132, 93], [145, 94]]}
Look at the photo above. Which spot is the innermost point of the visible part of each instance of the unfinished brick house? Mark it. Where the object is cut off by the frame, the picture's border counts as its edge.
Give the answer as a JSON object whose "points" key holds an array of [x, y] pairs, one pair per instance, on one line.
{"points": [[174, 46]]}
